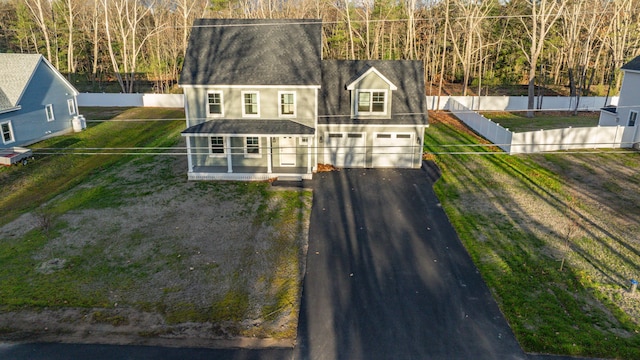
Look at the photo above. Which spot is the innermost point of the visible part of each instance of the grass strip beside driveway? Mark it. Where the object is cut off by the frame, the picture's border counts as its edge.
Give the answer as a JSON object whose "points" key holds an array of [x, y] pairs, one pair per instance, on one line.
{"points": [[554, 236]]}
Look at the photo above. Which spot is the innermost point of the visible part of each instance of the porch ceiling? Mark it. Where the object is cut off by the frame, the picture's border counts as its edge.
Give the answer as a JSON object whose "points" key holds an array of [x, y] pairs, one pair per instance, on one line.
{"points": [[249, 127]]}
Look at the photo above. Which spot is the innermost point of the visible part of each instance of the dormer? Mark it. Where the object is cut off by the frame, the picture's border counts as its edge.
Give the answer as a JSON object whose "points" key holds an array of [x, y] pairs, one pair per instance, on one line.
{"points": [[371, 94]]}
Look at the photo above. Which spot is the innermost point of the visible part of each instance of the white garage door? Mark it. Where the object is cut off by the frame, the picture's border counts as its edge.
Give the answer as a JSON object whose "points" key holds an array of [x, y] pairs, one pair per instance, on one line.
{"points": [[393, 150], [345, 149]]}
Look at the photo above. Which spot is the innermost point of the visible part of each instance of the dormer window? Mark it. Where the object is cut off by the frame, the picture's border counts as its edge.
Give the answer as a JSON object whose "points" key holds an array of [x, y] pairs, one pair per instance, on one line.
{"points": [[371, 94], [372, 101]]}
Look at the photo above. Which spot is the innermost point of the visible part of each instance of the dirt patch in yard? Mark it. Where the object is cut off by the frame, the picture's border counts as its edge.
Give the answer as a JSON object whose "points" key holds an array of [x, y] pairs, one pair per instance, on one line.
{"points": [[145, 257]]}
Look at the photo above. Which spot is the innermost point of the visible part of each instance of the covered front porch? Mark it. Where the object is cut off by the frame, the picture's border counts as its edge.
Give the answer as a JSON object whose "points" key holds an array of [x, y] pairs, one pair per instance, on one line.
{"points": [[249, 150]]}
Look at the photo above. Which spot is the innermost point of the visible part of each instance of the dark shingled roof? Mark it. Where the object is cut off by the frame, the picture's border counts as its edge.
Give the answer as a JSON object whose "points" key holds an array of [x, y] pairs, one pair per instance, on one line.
{"points": [[632, 65], [253, 52], [408, 104], [253, 127]]}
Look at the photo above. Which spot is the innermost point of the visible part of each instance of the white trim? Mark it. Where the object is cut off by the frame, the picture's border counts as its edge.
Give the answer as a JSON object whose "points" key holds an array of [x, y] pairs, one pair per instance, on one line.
{"points": [[214, 115], [224, 147], [246, 147], [370, 112], [13, 136], [46, 112], [283, 86], [360, 126], [295, 108], [257, 114], [635, 119], [366, 73], [244, 176], [243, 135], [15, 108], [71, 106]]}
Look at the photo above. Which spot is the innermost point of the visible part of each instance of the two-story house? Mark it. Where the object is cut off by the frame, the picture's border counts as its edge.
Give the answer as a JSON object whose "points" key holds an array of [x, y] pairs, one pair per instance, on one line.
{"points": [[261, 103]]}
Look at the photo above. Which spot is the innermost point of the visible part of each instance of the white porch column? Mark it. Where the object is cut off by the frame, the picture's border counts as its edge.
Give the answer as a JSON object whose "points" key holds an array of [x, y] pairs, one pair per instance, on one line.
{"points": [[269, 156], [309, 157], [189, 161], [227, 145]]}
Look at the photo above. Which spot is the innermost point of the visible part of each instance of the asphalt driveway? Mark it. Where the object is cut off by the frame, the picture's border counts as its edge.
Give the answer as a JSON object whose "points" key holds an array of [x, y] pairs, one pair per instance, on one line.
{"points": [[388, 278]]}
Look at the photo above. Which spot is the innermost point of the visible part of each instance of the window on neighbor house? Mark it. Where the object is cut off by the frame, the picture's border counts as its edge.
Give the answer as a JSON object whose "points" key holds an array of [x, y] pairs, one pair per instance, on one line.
{"points": [[7, 132], [252, 146], [71, 105], [49, 111], [287, 104], [371, 102], [214, 103], [216, 145], [250, 104], [633, 116]]}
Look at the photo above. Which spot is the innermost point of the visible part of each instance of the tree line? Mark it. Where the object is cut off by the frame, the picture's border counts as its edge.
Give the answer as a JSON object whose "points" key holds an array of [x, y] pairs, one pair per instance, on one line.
{"points": [[478, 44]]}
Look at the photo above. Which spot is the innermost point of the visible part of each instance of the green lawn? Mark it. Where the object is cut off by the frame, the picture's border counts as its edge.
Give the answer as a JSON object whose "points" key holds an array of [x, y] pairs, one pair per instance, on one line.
{"points": [[55, 170], [128, 231], [554, 236], [519, 122]]}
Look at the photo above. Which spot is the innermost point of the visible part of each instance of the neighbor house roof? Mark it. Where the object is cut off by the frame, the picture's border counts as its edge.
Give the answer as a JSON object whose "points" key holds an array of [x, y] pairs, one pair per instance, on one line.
{"points": [[408, 103], [15, 72], [250, 127], [253, 52], [633, 65]]}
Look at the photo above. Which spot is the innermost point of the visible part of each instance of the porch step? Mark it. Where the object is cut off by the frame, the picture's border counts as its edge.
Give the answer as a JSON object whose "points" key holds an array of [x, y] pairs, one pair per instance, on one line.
{"points": [[289, 178]]}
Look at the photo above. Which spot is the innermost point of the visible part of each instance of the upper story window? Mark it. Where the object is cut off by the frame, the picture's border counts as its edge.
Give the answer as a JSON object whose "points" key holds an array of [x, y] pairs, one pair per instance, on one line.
{"points": [[250, 103], [49, 111], [370, 102], [633, 116], [71, 105], [7, 132], [287, 103], [214, 103]]}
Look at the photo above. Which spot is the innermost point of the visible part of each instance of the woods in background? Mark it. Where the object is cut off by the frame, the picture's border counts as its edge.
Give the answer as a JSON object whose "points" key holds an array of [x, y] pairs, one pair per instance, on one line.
{"points": [[477, 44]]}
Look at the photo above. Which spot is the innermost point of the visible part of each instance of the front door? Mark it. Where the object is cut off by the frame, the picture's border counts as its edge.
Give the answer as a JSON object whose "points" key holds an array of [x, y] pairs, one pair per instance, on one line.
{"points": [[287, 151]]}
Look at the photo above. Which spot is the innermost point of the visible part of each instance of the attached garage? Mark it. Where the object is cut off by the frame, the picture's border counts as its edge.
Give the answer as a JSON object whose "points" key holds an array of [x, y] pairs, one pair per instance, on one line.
{"points": [[345, 149], [393, 150]]}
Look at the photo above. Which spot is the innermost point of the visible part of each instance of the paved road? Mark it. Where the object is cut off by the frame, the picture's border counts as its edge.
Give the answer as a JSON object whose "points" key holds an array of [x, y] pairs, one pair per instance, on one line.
{"points": [[388, 278]]}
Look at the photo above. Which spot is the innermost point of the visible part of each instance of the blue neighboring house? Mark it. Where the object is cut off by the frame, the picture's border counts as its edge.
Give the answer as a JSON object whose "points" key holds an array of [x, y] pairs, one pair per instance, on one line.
{"points": [[36, 101]]}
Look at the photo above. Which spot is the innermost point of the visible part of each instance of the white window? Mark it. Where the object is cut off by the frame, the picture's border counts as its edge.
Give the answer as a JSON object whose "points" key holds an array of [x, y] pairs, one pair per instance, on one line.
{"points": [[633, 116], [71, 105], [214, 103], [7, 132], [49, 111], [371, 102], [252, 146], [216, 146], [287, 103], [250, 103]]}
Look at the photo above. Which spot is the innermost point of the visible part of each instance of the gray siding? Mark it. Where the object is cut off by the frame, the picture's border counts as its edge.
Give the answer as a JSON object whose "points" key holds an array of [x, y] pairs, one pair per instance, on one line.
{"points": [[196, 100], [201, 157], [30, 122]]}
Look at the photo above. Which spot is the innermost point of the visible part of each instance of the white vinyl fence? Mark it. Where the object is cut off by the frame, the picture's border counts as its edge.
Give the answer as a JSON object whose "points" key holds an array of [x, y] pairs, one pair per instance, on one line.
{"points": [[519, 103], [131, 100], [543, 140]]}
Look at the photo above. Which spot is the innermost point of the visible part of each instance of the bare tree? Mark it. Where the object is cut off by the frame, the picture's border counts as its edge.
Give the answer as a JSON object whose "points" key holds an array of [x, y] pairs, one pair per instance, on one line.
{"points": [[544, 14], [41, 14]]}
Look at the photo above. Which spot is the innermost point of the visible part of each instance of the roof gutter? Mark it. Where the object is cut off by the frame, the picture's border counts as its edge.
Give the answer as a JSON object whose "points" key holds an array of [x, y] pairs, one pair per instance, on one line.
{"points": [[15, 108]]}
